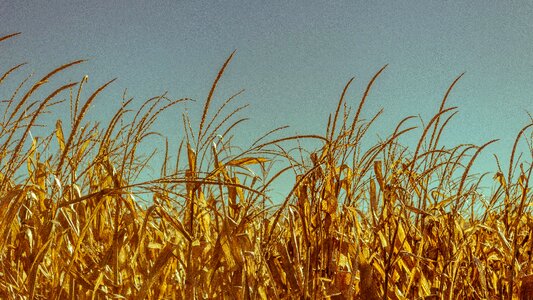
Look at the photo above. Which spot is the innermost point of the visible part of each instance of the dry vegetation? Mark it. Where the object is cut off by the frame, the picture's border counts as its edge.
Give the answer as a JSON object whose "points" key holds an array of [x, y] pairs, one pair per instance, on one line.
{"points": [[387, 222]]}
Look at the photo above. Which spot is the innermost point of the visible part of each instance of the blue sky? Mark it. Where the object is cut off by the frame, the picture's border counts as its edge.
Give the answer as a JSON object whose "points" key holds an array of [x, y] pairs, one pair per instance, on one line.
{"points": [[294, 57]]}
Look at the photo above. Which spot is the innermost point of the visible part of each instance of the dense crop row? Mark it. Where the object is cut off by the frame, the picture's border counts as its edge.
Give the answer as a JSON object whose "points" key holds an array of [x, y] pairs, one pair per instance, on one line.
{"points": [[383, 222]]}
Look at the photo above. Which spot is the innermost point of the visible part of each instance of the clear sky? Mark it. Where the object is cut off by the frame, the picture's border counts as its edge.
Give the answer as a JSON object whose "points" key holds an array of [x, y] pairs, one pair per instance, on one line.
{"points": [[294, 57]]}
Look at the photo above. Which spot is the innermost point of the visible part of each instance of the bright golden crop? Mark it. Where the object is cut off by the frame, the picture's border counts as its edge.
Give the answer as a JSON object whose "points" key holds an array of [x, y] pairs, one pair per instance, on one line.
{"points": [[383, 222]]}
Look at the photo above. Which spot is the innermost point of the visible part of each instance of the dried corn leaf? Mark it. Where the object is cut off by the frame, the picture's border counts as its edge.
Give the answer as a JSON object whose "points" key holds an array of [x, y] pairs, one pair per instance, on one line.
{"points": [[247, 161], [379, 174], [60, 136]]}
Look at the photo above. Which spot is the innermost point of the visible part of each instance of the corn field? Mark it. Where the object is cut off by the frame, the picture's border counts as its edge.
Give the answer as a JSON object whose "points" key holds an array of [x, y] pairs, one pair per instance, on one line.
{"points": [[388, 221]]}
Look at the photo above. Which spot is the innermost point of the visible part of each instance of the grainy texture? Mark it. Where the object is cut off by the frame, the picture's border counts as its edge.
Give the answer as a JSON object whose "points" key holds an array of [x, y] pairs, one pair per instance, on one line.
{"points": [[382, 222]]}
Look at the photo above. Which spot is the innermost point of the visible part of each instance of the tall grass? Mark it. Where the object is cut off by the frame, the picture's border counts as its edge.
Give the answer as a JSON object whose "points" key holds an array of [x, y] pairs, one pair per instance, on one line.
{"points": [[383, 222]]}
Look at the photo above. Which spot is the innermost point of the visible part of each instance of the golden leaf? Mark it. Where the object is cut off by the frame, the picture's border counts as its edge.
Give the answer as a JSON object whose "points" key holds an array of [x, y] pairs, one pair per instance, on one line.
{"points": [[59, 135], [247, 161]]}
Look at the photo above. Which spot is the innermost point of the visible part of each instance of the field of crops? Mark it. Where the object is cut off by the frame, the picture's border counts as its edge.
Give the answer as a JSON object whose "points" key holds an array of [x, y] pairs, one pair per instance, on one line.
{"points": [[381, 222]]}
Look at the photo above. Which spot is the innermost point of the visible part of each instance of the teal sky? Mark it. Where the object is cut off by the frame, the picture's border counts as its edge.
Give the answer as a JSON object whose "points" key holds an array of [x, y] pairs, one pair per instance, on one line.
{"points": [[294, 57]]}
